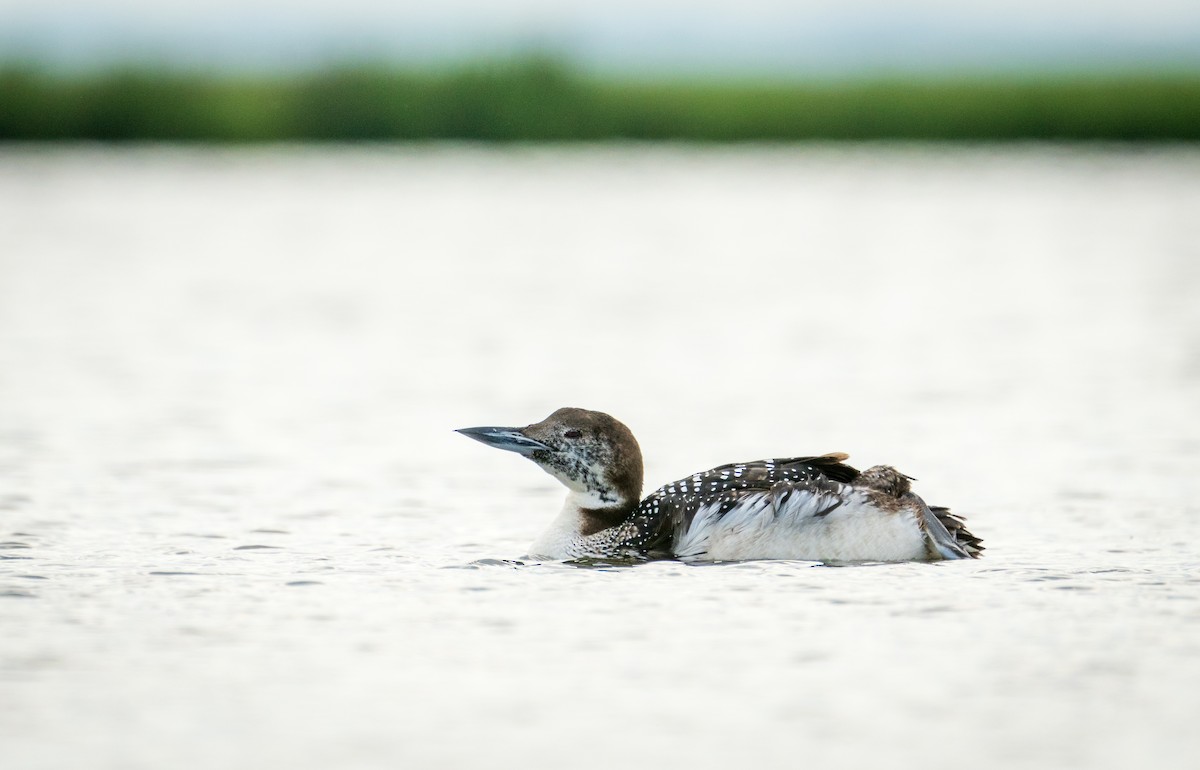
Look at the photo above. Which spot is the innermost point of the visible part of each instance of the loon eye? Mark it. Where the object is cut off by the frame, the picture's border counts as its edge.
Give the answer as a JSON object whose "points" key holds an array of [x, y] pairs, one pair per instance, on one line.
{"points": [[573, 433]]}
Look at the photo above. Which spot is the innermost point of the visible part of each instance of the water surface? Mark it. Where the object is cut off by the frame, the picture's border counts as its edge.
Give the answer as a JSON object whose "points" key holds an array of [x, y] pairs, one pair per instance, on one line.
{"points": [[236, 529]]}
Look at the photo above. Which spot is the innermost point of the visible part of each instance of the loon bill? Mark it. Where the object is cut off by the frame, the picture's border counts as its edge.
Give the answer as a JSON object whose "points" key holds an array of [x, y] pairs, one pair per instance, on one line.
{"points": [[812, 508]]}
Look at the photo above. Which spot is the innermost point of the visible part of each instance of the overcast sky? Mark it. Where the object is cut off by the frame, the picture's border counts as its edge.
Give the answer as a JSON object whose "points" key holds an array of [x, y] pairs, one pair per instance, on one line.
{"points": [[766, 34]]}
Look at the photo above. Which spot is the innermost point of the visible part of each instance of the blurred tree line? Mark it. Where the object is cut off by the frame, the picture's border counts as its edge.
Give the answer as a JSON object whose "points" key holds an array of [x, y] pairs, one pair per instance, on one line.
{"points": [[545, 99]]}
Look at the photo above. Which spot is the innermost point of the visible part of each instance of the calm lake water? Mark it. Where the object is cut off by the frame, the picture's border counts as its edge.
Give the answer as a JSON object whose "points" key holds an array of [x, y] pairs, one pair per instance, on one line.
{"points": [[236, 530]]}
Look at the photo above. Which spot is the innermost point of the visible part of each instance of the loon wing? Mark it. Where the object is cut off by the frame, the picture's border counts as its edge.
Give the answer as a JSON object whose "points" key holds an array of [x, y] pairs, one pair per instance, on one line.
{"points": [[798, 508], [677, 517]]}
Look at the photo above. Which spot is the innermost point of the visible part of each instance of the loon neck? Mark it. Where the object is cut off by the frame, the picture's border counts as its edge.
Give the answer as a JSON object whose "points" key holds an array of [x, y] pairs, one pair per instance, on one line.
{"points": [[580, 519], [593, 520]]}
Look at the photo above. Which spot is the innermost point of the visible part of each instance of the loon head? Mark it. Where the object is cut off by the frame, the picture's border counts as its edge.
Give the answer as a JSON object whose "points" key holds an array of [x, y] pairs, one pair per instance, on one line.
{"points": [[594, 455]]}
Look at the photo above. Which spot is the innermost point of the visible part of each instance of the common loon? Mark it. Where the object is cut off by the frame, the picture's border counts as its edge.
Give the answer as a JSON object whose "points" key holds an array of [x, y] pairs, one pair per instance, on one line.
{"points": [[810, 508]]}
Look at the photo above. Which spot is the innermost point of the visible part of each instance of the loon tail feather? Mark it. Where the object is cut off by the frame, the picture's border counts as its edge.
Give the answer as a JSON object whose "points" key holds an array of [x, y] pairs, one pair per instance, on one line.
{"points": [[956, 528]]}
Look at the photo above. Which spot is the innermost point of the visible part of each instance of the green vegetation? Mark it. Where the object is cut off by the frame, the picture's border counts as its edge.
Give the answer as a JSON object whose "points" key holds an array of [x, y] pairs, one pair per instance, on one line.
{"points": [[540, 99]]}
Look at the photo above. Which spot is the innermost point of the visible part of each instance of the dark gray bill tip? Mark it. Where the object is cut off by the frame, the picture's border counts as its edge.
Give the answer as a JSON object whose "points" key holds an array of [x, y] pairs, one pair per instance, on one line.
{"points": [[508, 439]]}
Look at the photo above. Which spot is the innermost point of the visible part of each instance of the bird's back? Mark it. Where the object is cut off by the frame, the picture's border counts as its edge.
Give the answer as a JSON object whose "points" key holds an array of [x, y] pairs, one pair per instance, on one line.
{"points": [[815, 508]]}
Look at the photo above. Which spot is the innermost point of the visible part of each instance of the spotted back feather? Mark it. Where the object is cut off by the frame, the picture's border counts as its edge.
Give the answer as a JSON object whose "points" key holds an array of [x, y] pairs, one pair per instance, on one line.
{"points": [[671, 509], [665, 521]]}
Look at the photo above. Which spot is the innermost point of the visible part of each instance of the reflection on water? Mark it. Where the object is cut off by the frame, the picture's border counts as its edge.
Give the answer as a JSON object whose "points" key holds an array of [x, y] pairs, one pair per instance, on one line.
{"points": [[236, 529]]}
